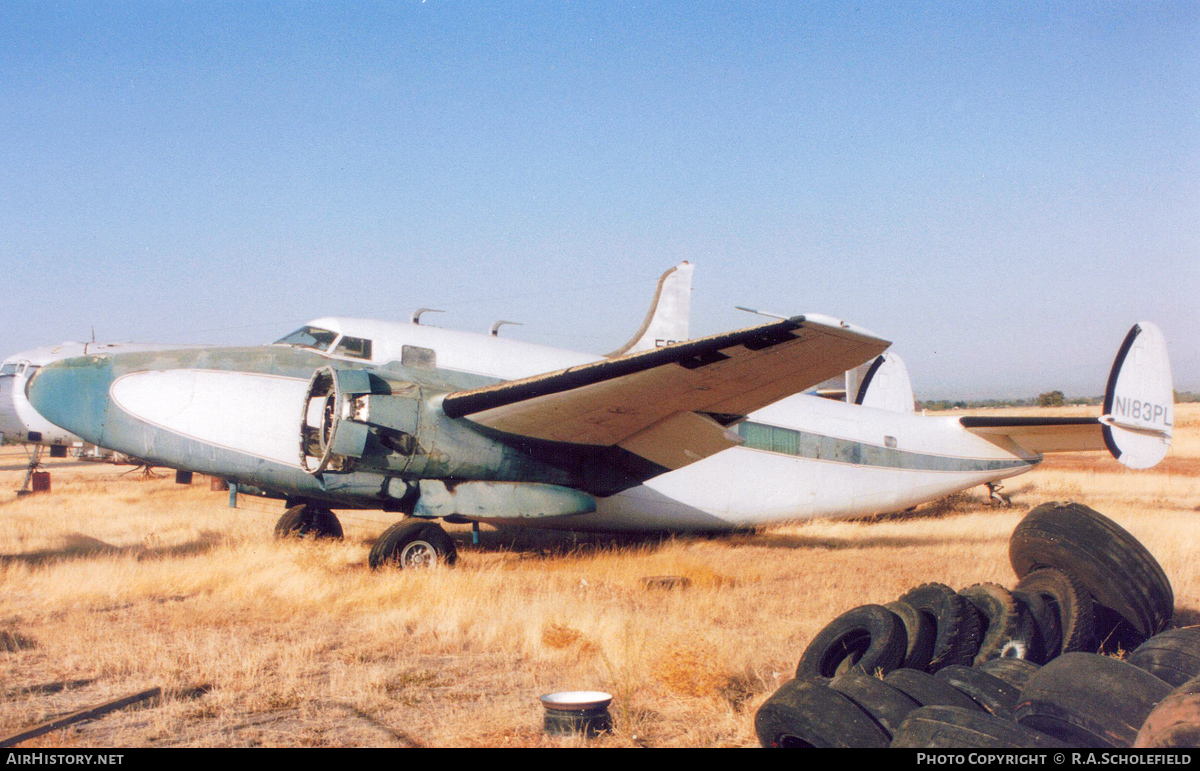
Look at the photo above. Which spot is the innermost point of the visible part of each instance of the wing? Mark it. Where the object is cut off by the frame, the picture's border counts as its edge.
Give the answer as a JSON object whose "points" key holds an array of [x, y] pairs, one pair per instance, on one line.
{"points": [[671, 404], [1042, 435]]}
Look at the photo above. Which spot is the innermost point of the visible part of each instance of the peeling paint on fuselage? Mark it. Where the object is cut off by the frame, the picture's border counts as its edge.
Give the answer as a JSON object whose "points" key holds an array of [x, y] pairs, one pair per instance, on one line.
{"points": [[444, 448]]}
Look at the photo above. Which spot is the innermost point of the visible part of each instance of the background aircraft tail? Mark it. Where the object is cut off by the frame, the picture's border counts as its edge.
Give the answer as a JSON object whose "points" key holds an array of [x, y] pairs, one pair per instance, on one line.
{"points": [[885, 385], [670, 313]]}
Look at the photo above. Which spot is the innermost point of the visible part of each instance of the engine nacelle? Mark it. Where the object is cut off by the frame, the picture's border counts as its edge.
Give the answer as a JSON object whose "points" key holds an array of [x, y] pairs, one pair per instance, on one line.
{"points": [[342, 415], [356, 420]]}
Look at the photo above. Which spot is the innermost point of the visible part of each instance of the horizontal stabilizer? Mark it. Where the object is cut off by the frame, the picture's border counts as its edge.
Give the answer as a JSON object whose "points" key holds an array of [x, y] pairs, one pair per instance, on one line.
{"points": [[636, 400], [1042, 435], [1138, 414]]}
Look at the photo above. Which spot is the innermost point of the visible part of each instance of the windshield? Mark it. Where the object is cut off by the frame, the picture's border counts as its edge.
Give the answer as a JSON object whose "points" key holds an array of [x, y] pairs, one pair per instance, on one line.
{"points": [[309, 337], [8, 369]]}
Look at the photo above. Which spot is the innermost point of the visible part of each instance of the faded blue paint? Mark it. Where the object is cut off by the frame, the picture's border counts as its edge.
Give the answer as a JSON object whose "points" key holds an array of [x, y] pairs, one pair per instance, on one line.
{"points": [[804, 444]]}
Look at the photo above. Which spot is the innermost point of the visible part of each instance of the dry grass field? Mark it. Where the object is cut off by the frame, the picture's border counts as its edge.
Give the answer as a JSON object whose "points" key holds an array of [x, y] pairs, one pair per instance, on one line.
{"points": [[120, 583]]}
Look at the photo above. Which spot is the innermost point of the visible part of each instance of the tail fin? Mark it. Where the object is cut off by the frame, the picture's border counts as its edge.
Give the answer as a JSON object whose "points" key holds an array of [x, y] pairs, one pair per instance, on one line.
{"points": [[1139, 402], [670, 312], [886, 385]]}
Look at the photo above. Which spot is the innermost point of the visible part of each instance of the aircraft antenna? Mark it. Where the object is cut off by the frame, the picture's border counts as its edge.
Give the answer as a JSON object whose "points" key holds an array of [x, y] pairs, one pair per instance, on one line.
{"points": [[760, 313], [495, 330], [416, 317]]}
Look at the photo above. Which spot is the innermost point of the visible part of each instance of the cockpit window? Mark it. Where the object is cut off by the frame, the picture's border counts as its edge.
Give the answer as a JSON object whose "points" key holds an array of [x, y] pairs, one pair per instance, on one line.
{"points": [[8, 369], [309, 337], [354, 347]]}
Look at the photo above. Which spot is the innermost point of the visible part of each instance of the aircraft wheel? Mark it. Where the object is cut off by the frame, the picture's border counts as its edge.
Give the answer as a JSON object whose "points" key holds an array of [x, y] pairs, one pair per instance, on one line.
{"points": [[1088, 700], [1173, 656], [1175, 722], [957, 624], [1108, 561], [921, 630], [307, 521], [928, 691], [951, 727], [865, 639], [988, 691], [1015, 672], [804, 713], [1076, 627], [998, 614], [413, 543]]}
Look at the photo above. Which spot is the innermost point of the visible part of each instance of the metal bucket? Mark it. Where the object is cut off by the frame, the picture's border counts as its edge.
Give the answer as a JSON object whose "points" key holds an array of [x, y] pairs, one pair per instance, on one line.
{"points": [[582, 712]]}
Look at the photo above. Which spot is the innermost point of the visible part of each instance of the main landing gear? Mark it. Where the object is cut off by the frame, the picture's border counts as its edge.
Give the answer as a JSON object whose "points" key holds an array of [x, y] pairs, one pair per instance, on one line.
{"points": [[308, 521], [410, 543], [413, 543]]}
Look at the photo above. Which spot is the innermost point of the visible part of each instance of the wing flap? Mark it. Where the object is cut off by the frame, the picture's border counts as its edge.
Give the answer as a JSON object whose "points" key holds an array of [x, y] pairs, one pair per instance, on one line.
{"points": [[732, 374], [680, 439]]}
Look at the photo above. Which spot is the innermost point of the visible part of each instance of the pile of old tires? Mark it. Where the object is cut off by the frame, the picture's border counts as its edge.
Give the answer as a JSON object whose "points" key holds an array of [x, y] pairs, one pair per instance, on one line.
{"points": [[1044, 664]]}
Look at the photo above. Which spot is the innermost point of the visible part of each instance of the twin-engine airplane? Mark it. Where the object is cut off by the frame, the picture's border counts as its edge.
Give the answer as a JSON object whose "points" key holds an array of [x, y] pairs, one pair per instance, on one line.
{"points": [[664, 434]]}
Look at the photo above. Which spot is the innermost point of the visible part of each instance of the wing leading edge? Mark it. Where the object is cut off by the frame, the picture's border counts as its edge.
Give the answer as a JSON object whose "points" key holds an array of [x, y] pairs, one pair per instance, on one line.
{"points": [[671, 404]]}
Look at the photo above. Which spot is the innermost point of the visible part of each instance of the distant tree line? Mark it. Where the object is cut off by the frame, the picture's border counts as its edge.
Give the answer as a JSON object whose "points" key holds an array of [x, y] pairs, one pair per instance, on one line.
{"points": [[1048, 399]]}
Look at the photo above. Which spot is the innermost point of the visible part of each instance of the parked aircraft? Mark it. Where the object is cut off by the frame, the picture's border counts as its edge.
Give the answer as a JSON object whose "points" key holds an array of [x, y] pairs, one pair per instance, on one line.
{"points": [[21, 424], [663, 434]]}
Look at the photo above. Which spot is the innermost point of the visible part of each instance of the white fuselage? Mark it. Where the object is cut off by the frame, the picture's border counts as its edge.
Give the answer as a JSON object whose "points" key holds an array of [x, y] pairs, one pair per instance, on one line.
{"points": [[803, 457]]}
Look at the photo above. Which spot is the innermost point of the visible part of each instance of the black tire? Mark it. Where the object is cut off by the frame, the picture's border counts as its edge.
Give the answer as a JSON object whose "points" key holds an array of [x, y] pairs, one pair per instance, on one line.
{"points": [[1110, 563], [868, 639], [1172, 656], [881, 701], [951, 727], [1175, 722], [1015, 672], [1071, 601], [956, 622], [988, 691], [803, 713], [1087, 700], [998, 619], [928, 691], [921, 631], [412, 543], [308, 521], [1037, 627]]}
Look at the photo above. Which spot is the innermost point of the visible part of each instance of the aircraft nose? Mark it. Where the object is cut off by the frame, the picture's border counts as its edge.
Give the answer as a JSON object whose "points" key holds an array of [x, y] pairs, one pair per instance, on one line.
{"points": [[73, 394]]}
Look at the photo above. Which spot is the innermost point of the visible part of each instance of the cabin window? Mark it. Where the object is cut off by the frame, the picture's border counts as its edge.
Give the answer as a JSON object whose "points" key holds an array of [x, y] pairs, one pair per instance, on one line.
{"points": [[354, 347], [309, 337], [417, 357]]}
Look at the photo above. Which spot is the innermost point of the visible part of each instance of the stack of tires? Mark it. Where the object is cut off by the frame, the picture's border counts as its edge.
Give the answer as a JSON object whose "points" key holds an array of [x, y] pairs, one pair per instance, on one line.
{"points": [[990, 667]]}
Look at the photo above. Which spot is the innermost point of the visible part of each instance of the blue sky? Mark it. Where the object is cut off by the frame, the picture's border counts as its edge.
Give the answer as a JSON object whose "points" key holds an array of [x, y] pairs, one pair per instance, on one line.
{"points": [[1001, 189]]}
